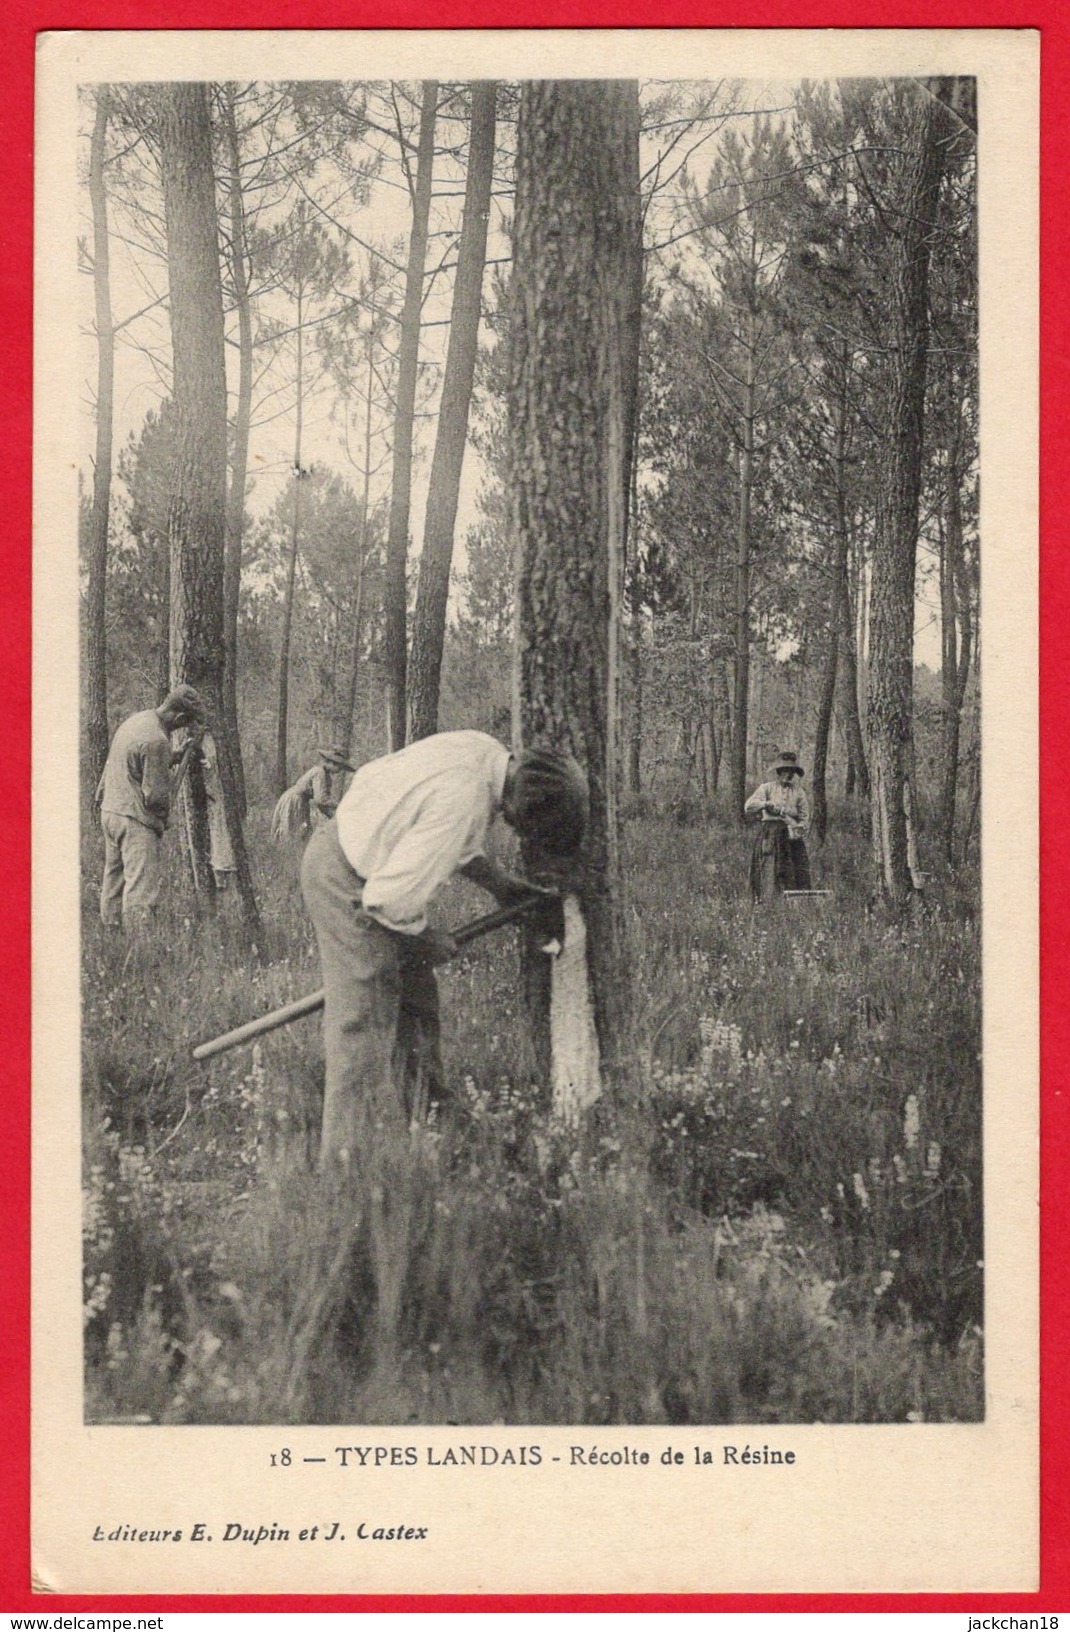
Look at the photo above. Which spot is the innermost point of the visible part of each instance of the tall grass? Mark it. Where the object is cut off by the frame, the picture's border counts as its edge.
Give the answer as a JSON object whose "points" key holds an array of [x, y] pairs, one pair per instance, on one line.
{"points": [[779, 1223]]}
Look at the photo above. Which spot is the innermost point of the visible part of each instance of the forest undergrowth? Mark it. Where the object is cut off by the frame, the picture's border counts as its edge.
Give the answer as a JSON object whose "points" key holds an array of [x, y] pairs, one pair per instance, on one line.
{"points": [[779, 1222]]}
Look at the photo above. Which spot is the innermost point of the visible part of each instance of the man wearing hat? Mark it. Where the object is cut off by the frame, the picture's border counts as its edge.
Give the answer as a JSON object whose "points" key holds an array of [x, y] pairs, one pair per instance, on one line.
{"points": [[134, 795], [313, 798], [408, 823], [325, 784], [779, 861]]}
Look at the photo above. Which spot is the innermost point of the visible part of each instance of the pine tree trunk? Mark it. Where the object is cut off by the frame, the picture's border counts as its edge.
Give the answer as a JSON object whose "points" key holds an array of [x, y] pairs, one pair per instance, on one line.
{"points": [[819, 796], [197, 509], [96, 682], [635, 732], [741, 691], [163, 642], [282, 778], [429, 619], [957, 650], [576, 240], [840, 554], [892, 624], [345, 729], [857, 766], [397, 543], [632, 591], [240, 451]]}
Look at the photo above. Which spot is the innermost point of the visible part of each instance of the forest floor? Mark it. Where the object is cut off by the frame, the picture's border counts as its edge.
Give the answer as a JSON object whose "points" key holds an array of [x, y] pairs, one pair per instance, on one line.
{"points": [[783, 1225]]}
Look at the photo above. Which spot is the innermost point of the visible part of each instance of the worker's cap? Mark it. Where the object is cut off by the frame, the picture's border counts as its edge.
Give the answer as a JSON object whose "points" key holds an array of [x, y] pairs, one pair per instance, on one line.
{"points": [[551, 799], [335, 756], [184, 701], [787, 761]]}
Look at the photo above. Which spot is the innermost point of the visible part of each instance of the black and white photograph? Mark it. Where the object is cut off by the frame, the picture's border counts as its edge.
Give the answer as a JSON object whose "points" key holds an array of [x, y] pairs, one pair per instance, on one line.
{"points": [[532, 602]]}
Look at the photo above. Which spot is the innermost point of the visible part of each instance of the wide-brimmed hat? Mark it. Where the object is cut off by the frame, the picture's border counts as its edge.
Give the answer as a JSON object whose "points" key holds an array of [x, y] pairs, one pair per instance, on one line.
{"points": [[787, 761], [335, 756]]}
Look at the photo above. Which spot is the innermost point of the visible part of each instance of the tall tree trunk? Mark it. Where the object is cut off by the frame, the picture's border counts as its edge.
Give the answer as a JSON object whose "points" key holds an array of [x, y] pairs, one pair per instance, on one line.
{"points": [[892, 625], [858, 767], [861, 608], [956, 617], [633, 599], [239, 459], [722, 703], [635, 723], [819, 795], [429, 619], [196, 514], [755, 707], [345, 731], [632, 345], [741, 691], [397, 542], [576, 239], [96, 682], [838, 576], [282, 779], [163, 642]]}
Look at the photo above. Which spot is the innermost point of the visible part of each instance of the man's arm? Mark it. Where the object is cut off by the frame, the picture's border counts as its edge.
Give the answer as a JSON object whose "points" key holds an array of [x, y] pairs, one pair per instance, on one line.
{"points": [[803, 818], [504, 886], [156, 779], [757, 802]]}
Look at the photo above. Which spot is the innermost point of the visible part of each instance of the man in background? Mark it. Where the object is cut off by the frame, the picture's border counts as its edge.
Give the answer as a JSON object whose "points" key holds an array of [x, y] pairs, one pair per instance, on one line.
{"points": [[134, 796], [314, 797]]}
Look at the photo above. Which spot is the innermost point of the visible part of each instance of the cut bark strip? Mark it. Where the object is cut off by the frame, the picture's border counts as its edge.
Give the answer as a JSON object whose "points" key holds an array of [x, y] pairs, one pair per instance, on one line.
{"points": [[577, 1075]]}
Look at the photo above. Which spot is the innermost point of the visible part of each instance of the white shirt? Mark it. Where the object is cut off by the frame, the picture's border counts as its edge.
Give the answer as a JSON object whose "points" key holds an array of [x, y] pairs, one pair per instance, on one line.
{"points": [[791, 803], [409, 821]]}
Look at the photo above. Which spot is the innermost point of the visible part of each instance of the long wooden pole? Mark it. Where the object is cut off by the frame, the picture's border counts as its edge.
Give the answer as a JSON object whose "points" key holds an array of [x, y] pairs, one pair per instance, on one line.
{"points": [[314, 1002]]}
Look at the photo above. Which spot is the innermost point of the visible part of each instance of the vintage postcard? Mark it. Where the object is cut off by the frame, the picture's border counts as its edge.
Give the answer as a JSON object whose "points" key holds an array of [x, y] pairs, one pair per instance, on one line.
{"points": [[534, 812]]}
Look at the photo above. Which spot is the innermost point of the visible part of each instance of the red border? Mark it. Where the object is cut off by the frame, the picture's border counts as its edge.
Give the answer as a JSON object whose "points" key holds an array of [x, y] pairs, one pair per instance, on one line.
{"points": [[23, 19]]}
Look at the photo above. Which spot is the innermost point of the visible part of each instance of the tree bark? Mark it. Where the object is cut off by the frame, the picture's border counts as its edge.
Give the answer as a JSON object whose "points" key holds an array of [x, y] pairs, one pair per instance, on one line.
{"points": [[634, 599], [635, 724], [196, 513], [397, 544], [892, 626], [956, 615], [741, 689], [576, 240], [239, 271], [819, 796], [837, 618], [282, 778], [429, 619], [345, 729], [858, 767], [163, 643], [96, 682]]}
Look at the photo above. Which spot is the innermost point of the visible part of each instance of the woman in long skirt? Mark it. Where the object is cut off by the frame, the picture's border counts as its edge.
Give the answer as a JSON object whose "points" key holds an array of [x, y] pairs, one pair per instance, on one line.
{"points": [[779, 860]]}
